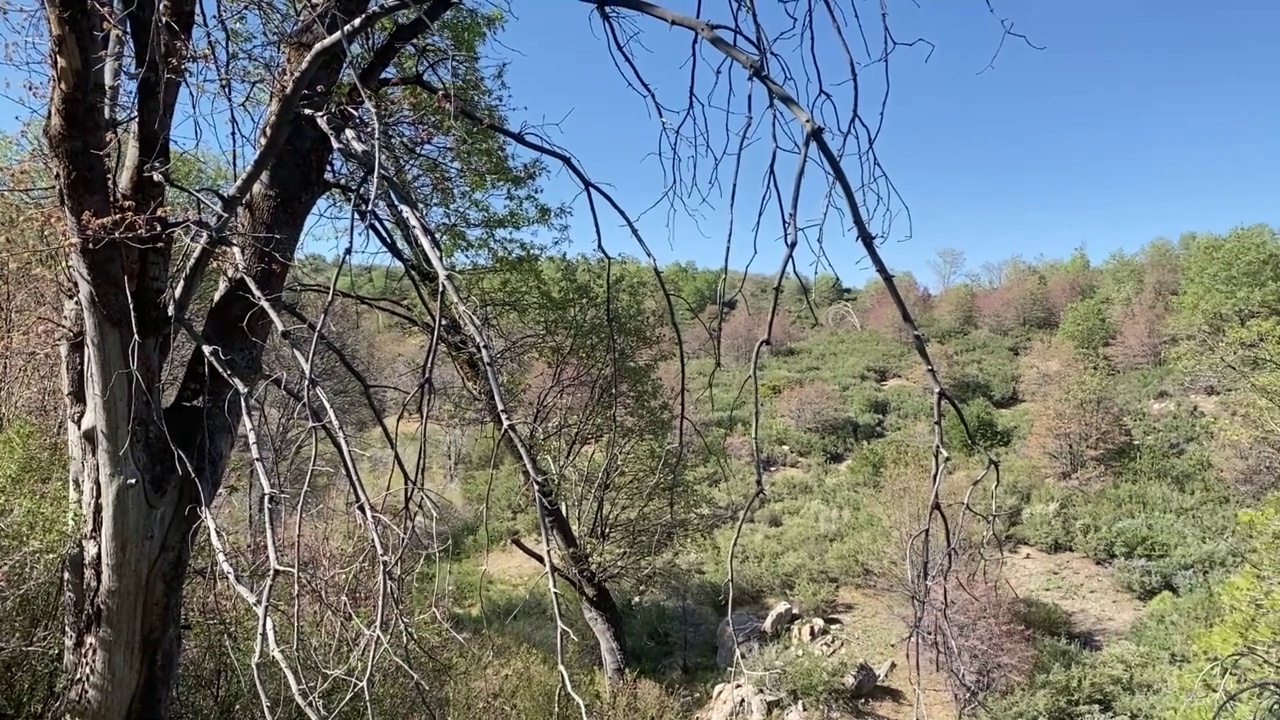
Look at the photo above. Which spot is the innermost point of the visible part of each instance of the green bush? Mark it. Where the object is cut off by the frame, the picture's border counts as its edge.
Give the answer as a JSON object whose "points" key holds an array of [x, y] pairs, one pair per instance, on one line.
{"points": [[982, 365], [33, 535], [1122, 682], [1045, 619], [1047, 520], [1086, 324], [985, 428], [812, 678]]}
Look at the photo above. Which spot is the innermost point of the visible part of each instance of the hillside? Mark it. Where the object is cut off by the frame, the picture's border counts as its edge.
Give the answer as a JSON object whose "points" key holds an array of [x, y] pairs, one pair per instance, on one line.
{"points": [[1115, 550]]}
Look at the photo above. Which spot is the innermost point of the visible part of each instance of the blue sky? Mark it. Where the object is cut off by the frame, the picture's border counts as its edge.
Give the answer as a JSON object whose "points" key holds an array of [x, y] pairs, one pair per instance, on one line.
{"points": [[1139, 119]]}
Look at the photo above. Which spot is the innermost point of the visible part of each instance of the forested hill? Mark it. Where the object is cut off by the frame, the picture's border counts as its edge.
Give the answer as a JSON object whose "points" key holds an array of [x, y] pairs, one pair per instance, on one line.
{"points": [[1130, 406]]}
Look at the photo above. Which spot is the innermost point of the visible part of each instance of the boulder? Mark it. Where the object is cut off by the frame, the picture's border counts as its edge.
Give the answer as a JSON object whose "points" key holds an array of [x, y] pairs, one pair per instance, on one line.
{"points": [[829, 645], [779, 619], [861, 680], [747, 627], [738, 700], [796, 712], [808, 631]]}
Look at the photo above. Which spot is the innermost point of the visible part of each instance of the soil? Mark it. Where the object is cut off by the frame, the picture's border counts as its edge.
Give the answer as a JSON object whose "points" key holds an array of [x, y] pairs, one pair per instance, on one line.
{"points": [[1100, 611]]}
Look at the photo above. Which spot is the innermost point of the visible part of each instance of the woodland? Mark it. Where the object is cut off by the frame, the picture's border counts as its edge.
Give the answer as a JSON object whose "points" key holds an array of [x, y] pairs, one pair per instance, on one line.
{"points": [[470, 465]]}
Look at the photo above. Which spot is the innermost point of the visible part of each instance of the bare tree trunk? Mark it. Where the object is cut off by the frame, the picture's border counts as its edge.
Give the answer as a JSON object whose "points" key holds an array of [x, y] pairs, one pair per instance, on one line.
{"points": [[135, 512], [605, 620], [599, 608], [140, 472]]}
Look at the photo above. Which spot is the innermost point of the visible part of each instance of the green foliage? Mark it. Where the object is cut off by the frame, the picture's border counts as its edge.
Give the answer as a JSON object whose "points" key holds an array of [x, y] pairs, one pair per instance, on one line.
{"points": [[692, 288], [828, 290], [33, 533], [1230, 280], [812, 678], [1119, 683], [985, 428], [1242, 644], [1086, 324], [33, 493], [981, 365], [814, 530], [1162, 536], [1044, 618]]}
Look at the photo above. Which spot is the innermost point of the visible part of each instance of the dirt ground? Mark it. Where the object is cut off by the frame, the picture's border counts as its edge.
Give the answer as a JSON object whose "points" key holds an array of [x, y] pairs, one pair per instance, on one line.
{"points": [[873, 621], [1100, 611], [874, 624]]}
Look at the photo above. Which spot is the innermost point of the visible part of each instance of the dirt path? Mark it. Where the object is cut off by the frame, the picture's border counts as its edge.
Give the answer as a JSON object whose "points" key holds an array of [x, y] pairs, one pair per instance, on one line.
{"points": [[874, 620], [874, 624], [1100, 611]]}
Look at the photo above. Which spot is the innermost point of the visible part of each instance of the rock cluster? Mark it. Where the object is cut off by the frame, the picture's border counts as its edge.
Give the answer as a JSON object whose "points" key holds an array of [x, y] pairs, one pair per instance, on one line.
{"points": [[743, 633]]}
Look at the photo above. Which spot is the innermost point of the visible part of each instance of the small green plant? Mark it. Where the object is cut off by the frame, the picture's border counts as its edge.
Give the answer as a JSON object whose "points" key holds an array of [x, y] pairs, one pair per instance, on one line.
{"points": [[812, 678], [1045, 619]]}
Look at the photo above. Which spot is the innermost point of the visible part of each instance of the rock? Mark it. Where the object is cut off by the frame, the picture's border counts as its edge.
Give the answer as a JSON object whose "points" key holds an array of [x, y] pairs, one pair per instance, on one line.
{"points": [[829, 645], [748, 629], [737, 700], [861, 680], [779, 619], [809, 631], [884, 670], [797, 712]]}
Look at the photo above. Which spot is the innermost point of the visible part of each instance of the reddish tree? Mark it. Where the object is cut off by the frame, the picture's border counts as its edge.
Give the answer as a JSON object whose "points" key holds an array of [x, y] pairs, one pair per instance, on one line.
{"points": [[1078, 431], [741, 330], [880, 313], [1141, 332], [1022, 302], [815, 407], [1066, 287]]}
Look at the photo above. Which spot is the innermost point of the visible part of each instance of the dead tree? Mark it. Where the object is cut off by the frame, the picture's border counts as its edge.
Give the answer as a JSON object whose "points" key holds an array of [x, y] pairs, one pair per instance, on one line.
{"points": [[144, 463]]}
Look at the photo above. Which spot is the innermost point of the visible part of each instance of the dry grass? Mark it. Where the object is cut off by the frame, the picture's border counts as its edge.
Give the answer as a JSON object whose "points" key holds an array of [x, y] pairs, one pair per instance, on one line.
{"points": [[1099, 609]]}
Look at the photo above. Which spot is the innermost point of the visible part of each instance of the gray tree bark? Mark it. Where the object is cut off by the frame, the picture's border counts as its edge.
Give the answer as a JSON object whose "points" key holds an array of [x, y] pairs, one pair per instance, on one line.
{"points": [[141, 470]]}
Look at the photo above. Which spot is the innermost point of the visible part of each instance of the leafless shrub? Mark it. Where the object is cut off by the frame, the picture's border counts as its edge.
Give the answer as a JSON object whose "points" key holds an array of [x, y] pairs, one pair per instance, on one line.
{"points": [[983, 644], [1078, 430], [815, 407], [741, 330]]}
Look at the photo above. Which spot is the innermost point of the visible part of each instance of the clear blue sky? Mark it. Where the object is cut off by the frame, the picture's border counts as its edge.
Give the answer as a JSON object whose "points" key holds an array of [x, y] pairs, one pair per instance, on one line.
{"points": [[1139, 119]]}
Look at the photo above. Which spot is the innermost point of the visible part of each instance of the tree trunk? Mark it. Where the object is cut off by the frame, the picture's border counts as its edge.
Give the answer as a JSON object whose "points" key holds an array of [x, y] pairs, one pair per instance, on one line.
{"points": [[123, 577], [575, 566], [140, 472], [605, 620]]}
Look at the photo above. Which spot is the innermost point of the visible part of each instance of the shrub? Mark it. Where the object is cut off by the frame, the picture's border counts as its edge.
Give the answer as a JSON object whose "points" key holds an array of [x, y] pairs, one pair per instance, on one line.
{"points": [[985, 645], [1123, 682], [979, 365], [1078, 431], [741, 330], [812, 678], [1048, 524], [815, 407], [985, 428], [33, 523], [1044, 619], [1086, 324]]}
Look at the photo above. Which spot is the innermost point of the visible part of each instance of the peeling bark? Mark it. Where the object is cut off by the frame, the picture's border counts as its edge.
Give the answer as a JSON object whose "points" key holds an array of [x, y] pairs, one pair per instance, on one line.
{"points": [[141, 472]]}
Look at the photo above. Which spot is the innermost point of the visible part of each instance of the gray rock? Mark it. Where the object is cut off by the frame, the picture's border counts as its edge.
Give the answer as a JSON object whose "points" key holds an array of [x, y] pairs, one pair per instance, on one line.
{"points": [[808, 631], [747, 627], [779, 619], [861, 680], [738, 700]]}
